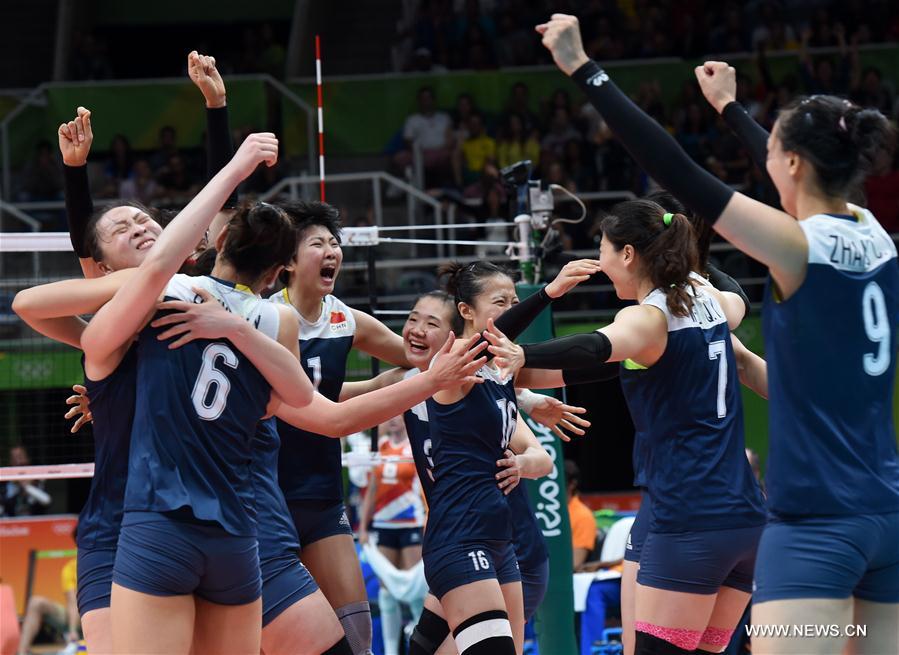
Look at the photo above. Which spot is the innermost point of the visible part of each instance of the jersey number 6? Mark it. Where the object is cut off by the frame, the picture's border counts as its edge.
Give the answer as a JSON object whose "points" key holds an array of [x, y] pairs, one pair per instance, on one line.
{"points": [[207, 408]]}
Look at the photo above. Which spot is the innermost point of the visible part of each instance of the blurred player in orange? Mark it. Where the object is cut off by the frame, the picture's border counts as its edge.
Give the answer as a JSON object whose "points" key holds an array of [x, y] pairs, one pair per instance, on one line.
{"points": [[394, 505]]}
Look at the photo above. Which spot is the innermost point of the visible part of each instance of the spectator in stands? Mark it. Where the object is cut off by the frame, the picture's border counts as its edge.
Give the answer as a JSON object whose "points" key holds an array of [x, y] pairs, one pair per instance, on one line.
{"points": [[465, 107], [882, 190], [119, 167], [175, 181], [515, 144], [168, 146], [60, 622], [90, 58], [520, 103], [23, 497], [423, 62], [561, 131], [478, 150], [868, 90], [583, 524], [515, 45], [823, 76], [141, 186], [430, 130]]}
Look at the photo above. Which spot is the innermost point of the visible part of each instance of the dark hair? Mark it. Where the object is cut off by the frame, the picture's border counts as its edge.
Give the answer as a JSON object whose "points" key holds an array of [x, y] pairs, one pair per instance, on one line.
{"points": [[839, 139], [465, 282], [456, 322], [702, 228], [203, 264], [668, 252], [259, 236], [304, 214], [92, 244]]}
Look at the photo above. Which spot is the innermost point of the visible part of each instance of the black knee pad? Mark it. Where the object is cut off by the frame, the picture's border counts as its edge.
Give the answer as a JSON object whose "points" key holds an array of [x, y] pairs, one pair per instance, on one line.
{"points": [[487, 633], [429, 633], [647, 644], [342, 647]]}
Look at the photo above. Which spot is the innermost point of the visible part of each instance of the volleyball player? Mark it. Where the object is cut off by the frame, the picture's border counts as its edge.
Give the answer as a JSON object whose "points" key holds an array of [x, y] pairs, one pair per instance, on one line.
{"points": [[828, 554], [679, 380]]}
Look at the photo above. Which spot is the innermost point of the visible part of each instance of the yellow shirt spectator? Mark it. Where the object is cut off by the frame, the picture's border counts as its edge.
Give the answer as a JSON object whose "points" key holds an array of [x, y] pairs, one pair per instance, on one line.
{"points": [[478, 151], [509, 152], [69, 576]]}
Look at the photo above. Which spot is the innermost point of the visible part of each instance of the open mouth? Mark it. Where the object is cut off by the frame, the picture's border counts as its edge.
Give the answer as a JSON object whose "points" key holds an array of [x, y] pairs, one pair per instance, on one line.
{"points": [[328, 273], [146, 243], [417, 346]]}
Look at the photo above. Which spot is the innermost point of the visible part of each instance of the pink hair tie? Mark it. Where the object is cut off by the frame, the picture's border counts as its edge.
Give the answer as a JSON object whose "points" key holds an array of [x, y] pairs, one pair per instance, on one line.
{"points": [[843, 124]]}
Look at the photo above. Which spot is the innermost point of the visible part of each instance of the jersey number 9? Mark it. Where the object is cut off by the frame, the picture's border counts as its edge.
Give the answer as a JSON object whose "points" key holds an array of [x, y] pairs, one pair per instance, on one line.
{"points": [[877, 329]]}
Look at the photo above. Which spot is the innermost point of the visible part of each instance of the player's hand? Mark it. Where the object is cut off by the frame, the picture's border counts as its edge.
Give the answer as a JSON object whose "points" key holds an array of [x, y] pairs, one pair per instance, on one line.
{"points": [[453, 367], [562, 37], [204, 320], [204, 74], [507, 355], [75, 138], [571, 275], [81, 406], [363, 536], [558, 416], [718, 82], [510, 475], [255, 149]]}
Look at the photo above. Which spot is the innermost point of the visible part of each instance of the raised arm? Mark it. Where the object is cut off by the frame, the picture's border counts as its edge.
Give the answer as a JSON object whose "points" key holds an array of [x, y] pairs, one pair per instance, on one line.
{"points": [[75, 139], [121, 318], [763, 233], [219, 146], [718, 82]]}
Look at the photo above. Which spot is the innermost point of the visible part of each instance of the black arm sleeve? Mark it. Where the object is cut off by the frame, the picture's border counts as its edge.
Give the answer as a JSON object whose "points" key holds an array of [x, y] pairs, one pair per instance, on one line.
{"points": [[219, 147], [573, 352], [724, 282], [599, 373], [753, 136], [518, 317], [79, 206], [652, 147]]}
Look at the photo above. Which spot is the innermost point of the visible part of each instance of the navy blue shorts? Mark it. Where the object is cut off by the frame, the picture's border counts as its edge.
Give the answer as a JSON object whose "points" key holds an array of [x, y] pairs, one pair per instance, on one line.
{"points": [[454, 565], [639, 530], [94, 578], [829, 557], [399, 538], [318, 519], [534, 581], [700, 562], [165, 556], [285, 581]]}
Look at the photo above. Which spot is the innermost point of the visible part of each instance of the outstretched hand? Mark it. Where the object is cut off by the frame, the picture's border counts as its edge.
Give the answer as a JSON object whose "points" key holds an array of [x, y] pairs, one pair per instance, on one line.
{"points": [[81, 406], [571, 275], [255, 149], [562, 37], [204, 320], [558, 416], [507, 355], [75, 138], [204, 74], [454, 367], [718, 82]]}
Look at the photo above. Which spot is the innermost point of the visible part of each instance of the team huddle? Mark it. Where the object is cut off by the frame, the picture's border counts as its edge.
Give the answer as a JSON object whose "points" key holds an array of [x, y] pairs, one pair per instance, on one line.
{"points": [[216, 520]]}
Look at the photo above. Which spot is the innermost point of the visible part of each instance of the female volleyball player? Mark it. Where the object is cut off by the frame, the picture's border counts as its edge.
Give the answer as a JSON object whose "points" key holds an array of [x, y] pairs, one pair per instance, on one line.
{"points": [[680, 382], [188, 526], [828, 555]]}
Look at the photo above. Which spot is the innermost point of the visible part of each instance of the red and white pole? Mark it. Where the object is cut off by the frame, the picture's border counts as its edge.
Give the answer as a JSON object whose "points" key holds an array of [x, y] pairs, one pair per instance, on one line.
{"points": [[321, 121]]}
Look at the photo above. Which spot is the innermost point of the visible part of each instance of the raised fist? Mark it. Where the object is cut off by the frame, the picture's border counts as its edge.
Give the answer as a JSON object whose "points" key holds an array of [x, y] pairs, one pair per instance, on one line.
{"points": [[75, 138], [205, 75]]}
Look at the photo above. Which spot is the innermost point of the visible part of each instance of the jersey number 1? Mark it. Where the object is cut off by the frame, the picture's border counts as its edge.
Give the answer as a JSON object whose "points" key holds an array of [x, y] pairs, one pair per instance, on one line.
{"points": [[207, 408]]}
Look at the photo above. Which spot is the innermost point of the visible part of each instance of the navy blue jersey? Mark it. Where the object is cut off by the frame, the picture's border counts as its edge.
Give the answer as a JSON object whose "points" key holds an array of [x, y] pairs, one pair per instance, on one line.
{"points": [[419, 432], [467, 438], [195, 416], [309, 466], [277, 534], [530, 548], [688, 417], [831, 351], [112, 406]]}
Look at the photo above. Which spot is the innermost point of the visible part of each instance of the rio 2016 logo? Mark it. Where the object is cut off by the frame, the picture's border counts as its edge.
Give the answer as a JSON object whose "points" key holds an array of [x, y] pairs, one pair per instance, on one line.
{"points": [[548, 508]]}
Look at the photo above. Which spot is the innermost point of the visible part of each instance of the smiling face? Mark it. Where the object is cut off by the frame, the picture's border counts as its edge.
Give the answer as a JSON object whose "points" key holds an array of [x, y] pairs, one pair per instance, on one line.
{"points": [[426, 330], [125, 235], [496, 296], [317, 263]]}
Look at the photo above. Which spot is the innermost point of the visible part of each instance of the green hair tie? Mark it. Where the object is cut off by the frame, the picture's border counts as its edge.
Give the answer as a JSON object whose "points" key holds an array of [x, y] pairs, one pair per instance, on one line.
{"points": [[667, 219]]}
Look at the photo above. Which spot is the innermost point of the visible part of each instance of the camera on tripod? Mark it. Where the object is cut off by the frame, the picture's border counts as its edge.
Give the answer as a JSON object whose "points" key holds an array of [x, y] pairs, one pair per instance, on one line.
{"points": [[529, 197]]}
